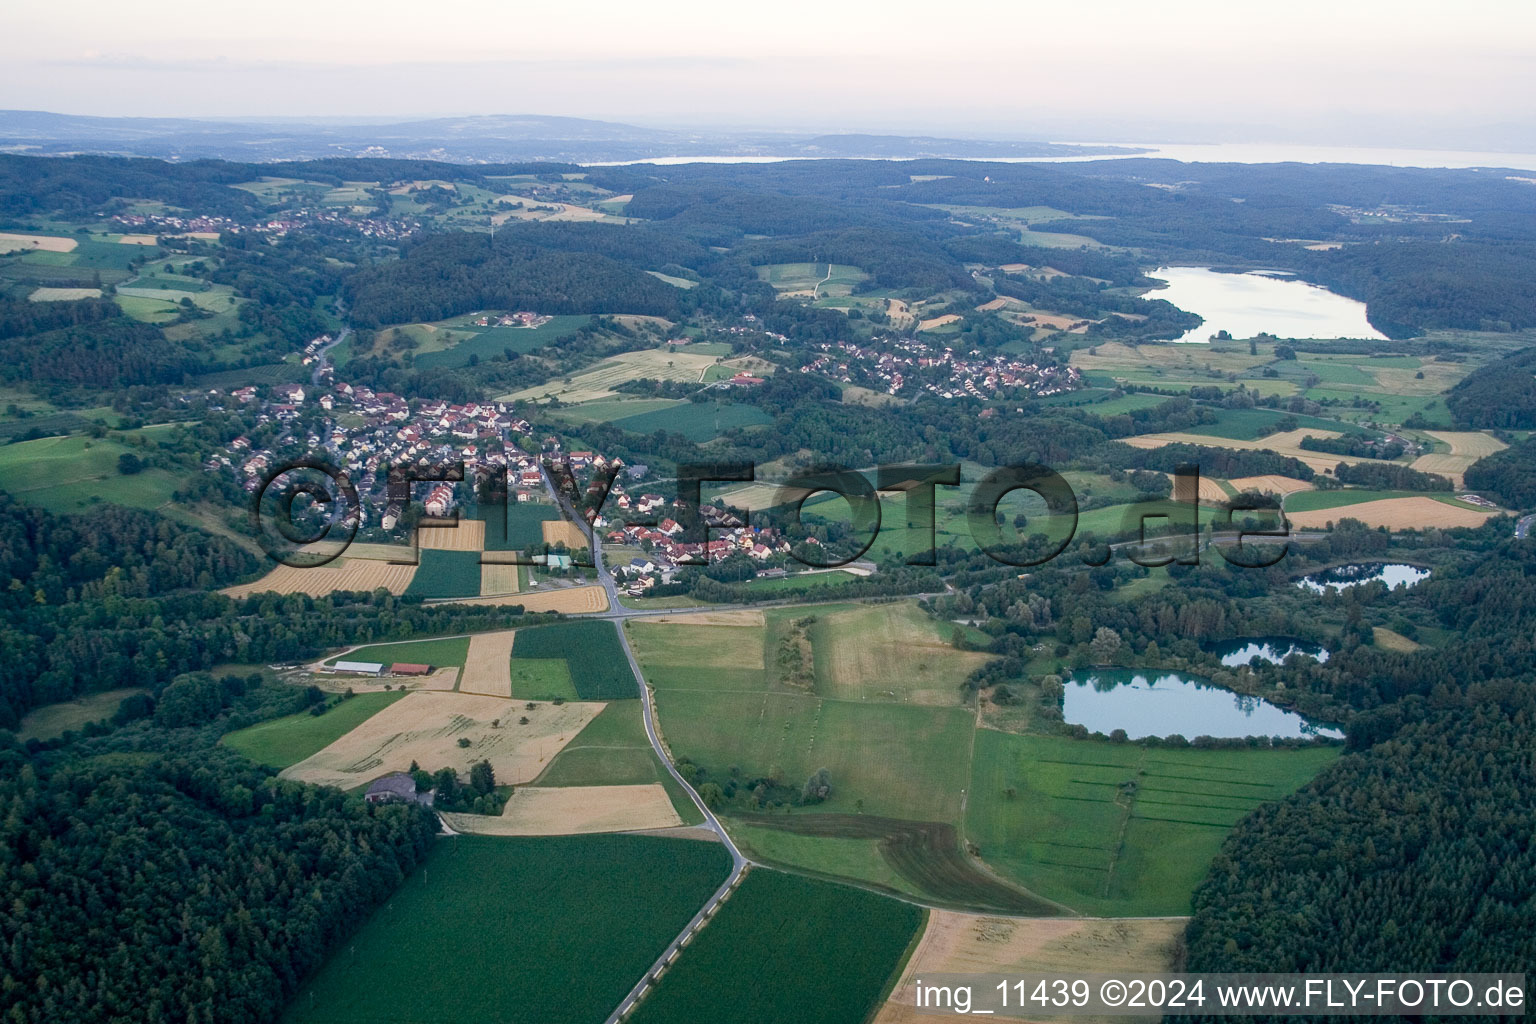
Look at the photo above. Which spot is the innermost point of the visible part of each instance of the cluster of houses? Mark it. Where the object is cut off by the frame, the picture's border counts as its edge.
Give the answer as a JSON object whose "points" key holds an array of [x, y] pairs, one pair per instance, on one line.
{"points": [[482, 437], [165, 224], [665, 551], [905, 366], [519, 319]]}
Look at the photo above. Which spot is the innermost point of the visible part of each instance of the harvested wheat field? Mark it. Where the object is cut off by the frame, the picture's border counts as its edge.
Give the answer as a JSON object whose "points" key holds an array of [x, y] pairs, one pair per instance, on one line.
{"points": [[958, 943], [343, 574], [939, 321], [1468, 442], [468, 535], [426, 728], [1415, 513], [741, 617], [560, 531], [987, 307], [1467, 446], [498, 578], [575, 810], [1286, 442], [10, 242], [1272, 484], [899, 312], [1210, 489], [137, 240], [488, 666]]}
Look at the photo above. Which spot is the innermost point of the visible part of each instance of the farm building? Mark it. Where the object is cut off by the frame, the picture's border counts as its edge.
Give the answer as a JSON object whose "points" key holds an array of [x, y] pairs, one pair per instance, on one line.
{"points": [[359, 668], [407, 668], [396, 787]]}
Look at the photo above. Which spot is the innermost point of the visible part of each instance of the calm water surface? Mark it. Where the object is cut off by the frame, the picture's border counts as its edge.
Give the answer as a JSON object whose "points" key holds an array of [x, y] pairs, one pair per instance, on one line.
{"points": [[1247, 650], [1393, 574], [1248, 304], [1165, 703]]}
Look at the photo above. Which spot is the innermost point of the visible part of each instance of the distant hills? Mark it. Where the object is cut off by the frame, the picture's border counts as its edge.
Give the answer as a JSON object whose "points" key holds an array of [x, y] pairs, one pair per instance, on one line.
{"points": [[480, 139]]}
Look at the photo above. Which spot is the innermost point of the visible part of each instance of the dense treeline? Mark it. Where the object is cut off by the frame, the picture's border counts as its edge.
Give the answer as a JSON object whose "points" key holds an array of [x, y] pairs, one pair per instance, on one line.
{"points": [[1499, 395], [181, 888], [1389, 476], [459, 273], [1221, 462], [1412, 855], [109, 354], [1411, 286], [90, 600], [19, 317], [51, 559], [1508, 476]]}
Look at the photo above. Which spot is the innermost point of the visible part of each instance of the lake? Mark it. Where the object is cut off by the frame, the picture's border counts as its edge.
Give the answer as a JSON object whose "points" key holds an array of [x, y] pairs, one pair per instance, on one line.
{"points": [[1393, 574], [1247, 650], [1165, 703], [1245, 305]]}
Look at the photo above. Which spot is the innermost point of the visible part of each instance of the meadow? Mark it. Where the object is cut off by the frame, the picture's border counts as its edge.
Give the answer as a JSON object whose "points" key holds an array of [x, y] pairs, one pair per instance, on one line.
{"points": [[699, 422], [516, 931], [725, 697], [493, 342], [591, 649], [1117, 829], [71, 474], [446, 574], [286, 741], [516, 526], [787, 948], [51, 721]]}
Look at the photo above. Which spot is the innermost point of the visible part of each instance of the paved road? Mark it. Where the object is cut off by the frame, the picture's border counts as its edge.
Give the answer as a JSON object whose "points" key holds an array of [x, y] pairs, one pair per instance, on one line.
{"points": [[739, 863], [1523, 527], [324, 355]]}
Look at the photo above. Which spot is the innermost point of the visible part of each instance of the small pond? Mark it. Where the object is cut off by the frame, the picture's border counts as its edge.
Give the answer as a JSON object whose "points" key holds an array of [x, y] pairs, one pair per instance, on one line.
{"points": [[1165, 703], [1247, 650], [1393, 574]]}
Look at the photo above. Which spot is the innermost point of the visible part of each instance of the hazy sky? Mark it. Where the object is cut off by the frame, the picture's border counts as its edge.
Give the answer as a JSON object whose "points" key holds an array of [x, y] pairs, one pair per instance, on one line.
{"points": [[1402, 71]]}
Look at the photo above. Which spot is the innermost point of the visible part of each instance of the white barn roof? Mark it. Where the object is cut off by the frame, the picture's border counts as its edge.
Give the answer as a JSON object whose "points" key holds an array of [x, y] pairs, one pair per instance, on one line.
{"points": [[370, 668]]}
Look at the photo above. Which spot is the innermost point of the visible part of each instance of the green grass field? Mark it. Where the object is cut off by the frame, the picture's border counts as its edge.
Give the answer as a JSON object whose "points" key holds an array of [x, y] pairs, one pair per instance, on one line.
{"points": [[614, 409], [613, 751], [697, 421], [804, 277], [446, 574], [786, 948], [592, 651], [492, 342], [70, 474], [1117, 829], [288, 740], [514, 527], [1251, 424], [51, 721], [542, 679], [515, 931], [722, 701], [437, 653]]}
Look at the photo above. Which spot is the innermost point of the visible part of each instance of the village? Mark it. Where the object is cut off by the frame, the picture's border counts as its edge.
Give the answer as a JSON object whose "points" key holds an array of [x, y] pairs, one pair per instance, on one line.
{"points": [[368, 433], [906, 366]]}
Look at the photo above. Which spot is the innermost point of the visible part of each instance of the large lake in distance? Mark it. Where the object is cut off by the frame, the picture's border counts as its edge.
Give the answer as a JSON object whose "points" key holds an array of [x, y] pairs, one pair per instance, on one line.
{"points": [[1248, 304]]}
